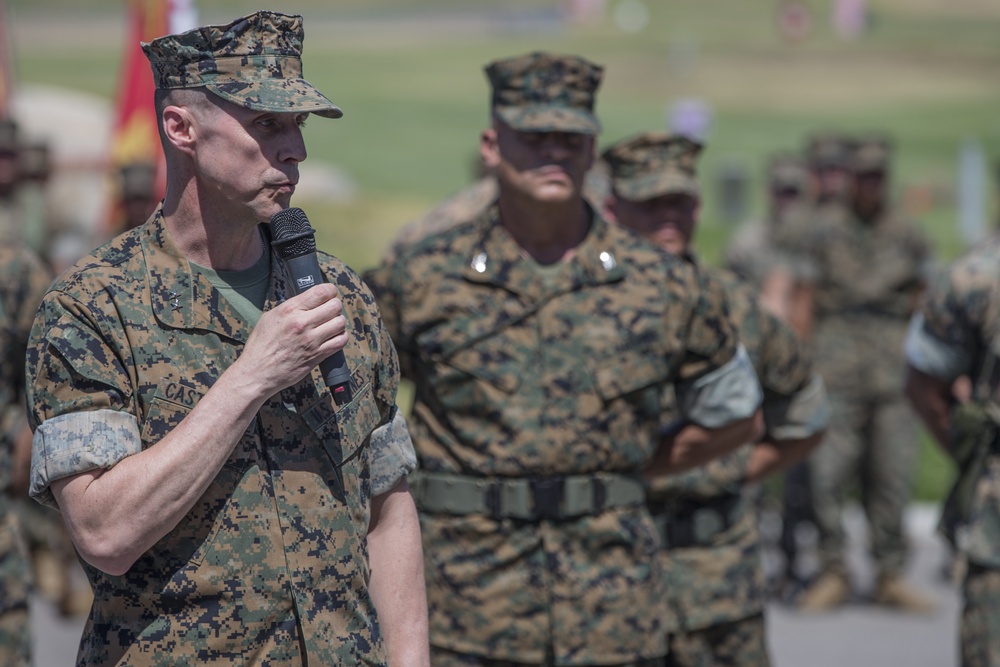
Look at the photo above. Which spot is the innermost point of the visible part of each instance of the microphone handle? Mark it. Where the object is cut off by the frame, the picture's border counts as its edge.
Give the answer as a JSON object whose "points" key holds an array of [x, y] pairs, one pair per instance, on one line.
{"points": [[305, 273]]}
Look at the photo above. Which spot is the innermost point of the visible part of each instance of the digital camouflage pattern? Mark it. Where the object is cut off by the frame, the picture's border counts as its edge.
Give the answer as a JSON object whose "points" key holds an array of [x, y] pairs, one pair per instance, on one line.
{"points": [[254, 61], [270, 565], [652, 164], [718, 582], [23, 280], [736, 644], [545, 92], [518, 377], [979, 635], [868, 278], [961, 314]]}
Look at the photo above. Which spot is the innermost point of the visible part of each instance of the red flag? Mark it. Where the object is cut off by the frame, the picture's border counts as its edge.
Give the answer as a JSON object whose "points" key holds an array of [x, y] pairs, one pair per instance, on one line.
{"points": [[135, 138], [6, 75]]}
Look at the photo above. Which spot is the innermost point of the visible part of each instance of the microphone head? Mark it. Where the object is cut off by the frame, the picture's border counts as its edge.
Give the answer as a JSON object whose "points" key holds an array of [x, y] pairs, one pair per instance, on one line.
{"points": [[291, 233]]}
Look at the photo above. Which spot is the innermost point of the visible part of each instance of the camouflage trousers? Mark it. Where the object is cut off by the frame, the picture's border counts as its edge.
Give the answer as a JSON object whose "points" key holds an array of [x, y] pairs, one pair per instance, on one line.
{"points": [[980, 632], [870, 446], [444, 658], [15, 638], [735, 644]]}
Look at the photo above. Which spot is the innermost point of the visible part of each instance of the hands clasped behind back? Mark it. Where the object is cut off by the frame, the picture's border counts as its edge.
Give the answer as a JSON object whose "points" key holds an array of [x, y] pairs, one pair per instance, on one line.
{"points": [[294, 337]]}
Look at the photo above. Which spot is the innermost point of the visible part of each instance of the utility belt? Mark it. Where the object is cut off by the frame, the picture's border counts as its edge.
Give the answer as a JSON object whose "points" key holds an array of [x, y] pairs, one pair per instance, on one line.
{"points": [[525, 498], [688, 524]]}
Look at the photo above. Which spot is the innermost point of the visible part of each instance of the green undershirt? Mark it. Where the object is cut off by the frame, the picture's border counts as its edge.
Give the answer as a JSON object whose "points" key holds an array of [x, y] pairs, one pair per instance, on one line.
{"points": [[245, 290]]}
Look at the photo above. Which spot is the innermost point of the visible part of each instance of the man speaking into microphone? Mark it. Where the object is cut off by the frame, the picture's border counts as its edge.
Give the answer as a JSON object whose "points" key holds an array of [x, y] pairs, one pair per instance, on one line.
{"points": [[230, 502]]}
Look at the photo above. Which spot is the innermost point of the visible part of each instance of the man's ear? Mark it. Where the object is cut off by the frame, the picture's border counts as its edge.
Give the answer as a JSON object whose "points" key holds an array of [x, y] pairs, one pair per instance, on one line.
{"points": [[178, 127], [489, 151], [608, 209]]}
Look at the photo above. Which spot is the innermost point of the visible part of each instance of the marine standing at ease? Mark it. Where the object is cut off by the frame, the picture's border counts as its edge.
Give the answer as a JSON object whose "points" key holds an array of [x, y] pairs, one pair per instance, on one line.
{"points": [[541, 341], [869, 264], [227, 510], [710, 545]]}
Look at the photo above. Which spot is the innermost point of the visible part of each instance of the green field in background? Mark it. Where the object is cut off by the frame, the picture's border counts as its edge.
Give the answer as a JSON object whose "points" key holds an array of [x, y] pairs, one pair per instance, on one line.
{"points": [[411, 84]]}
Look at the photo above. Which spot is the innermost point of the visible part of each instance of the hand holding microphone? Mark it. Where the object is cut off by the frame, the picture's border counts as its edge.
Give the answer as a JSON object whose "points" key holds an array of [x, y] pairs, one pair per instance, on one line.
{"points": [[294, 240]]}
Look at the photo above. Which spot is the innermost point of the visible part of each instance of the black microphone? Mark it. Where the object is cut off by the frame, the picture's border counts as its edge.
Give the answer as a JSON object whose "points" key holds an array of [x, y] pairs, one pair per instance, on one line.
{"points": [[295, 242]]}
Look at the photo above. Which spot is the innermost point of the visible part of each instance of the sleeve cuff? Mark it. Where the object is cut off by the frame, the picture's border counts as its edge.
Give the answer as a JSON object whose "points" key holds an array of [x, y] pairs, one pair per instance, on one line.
{"points": [[77, 442], [393, 456], [727, 394], [931, 355], [805, 413]]}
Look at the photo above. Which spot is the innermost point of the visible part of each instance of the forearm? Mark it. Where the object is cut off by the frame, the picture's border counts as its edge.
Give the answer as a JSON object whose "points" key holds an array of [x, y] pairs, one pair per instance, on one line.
{"points": [[695, 445], [932, 399], [397, 579], [116, 515], [770, 456]]}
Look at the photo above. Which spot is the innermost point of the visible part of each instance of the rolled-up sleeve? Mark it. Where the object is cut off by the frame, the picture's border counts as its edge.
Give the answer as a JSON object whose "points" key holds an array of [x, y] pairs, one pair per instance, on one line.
{"points": [[724, 395], [801, 415], [933, 356], [393, 456], [77, 442]]}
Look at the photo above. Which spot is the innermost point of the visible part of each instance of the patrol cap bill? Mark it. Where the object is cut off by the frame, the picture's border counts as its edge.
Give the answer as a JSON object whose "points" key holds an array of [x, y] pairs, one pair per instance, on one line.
{"points": [[653, 164], [254, 61], [545, 92]]}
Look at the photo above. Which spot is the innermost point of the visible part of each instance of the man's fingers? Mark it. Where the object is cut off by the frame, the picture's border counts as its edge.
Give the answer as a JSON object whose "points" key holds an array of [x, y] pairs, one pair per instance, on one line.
{"points": [[315, 296]]}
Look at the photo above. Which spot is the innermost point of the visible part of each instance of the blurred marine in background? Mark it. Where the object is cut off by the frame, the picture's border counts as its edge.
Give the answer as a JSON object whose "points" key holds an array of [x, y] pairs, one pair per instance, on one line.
{"points": [[869, 265]]}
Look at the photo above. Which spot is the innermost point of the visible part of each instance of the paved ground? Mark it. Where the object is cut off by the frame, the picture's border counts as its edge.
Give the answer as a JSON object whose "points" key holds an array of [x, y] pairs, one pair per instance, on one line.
{"points": [[858, 635]]}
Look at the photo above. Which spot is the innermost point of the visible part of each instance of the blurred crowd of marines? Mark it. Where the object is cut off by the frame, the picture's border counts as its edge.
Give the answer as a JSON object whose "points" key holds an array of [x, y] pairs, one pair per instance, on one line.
{"points": [[819, 291], [35, 550]]}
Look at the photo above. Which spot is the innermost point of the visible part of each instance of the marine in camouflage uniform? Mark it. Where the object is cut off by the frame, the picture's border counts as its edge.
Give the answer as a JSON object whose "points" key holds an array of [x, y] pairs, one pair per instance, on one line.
{"points": [[23, 280], [870, 264], [957, 333], [751, 252], [541, 341], [714, 578], [227, 509]]}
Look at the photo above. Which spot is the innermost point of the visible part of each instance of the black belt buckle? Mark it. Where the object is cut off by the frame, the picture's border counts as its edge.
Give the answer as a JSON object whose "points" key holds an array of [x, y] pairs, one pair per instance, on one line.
{"points": [[491, 496], [547, 495]]}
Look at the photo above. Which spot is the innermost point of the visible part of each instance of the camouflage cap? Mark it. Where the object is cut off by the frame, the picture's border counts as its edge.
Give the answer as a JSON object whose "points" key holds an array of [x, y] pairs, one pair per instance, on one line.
{"points": [[9, 140], [653, 164], [871, 154], [544, 92], [829, 150], [254, 62], [785, 170]]}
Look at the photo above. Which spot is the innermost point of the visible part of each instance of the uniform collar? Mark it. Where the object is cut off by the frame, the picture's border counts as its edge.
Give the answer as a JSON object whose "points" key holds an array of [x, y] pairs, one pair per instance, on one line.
{"points": [[497, 259], [183, 298]]}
